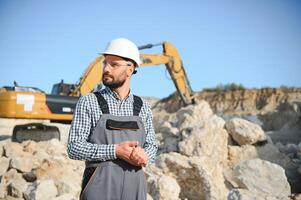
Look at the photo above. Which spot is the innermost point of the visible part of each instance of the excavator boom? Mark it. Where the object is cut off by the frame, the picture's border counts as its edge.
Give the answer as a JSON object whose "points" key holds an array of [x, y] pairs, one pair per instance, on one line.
{"points": [[172, 60]]}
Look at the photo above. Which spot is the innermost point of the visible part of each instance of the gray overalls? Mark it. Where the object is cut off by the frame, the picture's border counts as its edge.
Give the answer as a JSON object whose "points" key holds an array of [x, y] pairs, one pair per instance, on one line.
{"points": [[115, 179]]}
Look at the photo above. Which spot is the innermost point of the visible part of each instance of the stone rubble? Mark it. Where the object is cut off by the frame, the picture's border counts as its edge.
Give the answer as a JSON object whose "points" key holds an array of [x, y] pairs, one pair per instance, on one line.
{"points": [[200, 156]]}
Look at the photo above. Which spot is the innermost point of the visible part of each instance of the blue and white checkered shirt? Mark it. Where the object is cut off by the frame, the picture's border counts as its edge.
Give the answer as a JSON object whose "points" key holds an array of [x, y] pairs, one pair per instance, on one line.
{"points": [[86, 116]]}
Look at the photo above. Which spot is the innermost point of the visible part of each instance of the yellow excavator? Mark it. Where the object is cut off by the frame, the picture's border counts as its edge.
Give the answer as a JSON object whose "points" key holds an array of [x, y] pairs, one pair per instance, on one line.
{"points": [[31, 103]]}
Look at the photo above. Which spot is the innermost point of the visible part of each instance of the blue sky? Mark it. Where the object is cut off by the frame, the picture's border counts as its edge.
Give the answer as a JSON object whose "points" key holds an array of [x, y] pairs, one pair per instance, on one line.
{"points": [[253, 42]]}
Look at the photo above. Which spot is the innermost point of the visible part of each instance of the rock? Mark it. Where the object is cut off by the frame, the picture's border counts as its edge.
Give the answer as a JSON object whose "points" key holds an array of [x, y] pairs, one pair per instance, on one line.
{"points": [[262, 177], [299, 146], [163, 187], [268, 151], [62, 187], [170, 144], [29, 194], [210, 140], [17, 187], [3, 192], [242, 194], [168, 130], [30, 146], [168, 138], [29, 176], [10, 176], [1, 149], [149, 197], [288, 148], [159, 141], [193, 115], [22, 163], [168, 188], [12, 149], [13, 198], [69, 172], [65, 197], [198, 177], [298, 155], [297, 197], [237, 154], [291, 148], [41, 189], [4, 164], [245, 132], [40, 157], [13, 181], [158, 119], [54, 147], [280, 146]]}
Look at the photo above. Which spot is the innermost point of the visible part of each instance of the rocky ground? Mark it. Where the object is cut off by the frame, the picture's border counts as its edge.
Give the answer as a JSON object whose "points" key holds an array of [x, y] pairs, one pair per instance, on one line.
{"points": [[204, 153], [37, 170]]}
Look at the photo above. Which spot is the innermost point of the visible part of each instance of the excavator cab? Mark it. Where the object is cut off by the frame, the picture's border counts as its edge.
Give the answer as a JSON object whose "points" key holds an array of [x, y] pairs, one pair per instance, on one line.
{"points": [[61, 88]]}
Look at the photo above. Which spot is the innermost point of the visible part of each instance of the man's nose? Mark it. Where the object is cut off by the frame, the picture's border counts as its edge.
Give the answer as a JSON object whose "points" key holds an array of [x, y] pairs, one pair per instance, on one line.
{"points": [[106, 68]]}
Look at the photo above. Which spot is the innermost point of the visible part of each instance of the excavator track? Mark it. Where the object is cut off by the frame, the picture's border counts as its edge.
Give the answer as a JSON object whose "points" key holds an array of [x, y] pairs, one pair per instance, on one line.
{"points": [[36, 132]]}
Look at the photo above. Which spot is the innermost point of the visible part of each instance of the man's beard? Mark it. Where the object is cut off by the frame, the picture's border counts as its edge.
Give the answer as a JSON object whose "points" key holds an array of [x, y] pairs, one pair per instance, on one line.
{"points": [[113, 84]]}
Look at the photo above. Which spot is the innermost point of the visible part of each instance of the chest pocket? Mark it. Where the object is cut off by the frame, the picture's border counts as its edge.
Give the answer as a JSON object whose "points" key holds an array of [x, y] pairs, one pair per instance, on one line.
{"points": [[121, 125]]}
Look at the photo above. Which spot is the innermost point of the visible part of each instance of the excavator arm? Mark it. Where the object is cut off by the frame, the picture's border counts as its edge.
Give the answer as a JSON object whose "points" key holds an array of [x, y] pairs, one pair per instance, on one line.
{"points": [[170, 58], [90, 79]]}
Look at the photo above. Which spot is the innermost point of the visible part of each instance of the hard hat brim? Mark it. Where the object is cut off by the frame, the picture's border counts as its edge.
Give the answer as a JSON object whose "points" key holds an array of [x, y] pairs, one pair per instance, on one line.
{"points": [[110, 53]]}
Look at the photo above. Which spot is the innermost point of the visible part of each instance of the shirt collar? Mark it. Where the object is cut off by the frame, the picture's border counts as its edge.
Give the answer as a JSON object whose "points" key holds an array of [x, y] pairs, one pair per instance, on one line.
{"points": [[115, 95]]}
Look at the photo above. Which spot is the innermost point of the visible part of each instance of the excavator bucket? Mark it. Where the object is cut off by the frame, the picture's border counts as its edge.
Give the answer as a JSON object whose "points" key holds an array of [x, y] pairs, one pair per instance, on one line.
{"points": [[35, 131]]}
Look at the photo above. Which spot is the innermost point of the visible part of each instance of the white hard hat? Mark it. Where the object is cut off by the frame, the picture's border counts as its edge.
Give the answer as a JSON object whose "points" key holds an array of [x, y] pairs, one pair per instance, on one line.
{"points": [[124, 48]]}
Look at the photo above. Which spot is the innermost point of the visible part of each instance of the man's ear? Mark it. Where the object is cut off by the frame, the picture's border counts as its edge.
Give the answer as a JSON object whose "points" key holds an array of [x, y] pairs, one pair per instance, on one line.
{"points": [[131, 70]]}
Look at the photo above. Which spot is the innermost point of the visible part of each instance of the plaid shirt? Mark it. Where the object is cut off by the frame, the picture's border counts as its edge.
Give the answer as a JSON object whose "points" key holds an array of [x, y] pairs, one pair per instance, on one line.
{"points": [[86, 116]]}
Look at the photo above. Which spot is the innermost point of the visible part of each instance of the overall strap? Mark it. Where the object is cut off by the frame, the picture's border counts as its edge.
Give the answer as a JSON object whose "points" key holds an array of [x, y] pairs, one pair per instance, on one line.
{"points": [[102, 103], [137, 105]]}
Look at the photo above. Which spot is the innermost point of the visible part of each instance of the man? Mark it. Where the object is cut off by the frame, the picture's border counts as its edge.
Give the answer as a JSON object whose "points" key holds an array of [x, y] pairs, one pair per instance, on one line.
{"points": [[112, 131]]}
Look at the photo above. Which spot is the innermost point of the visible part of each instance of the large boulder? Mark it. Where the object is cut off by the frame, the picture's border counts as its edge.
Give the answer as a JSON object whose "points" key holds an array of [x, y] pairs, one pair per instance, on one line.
{"points": [[65, 174], [193, 115], [17, 187], [237, 154], [167, 138], [268, 151], [209, 140], [41, 189], [198, 177], [243, 194], [161, 186], [260, 177], [23, 163], [13, 184], [245, 132], [13, 149]]}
